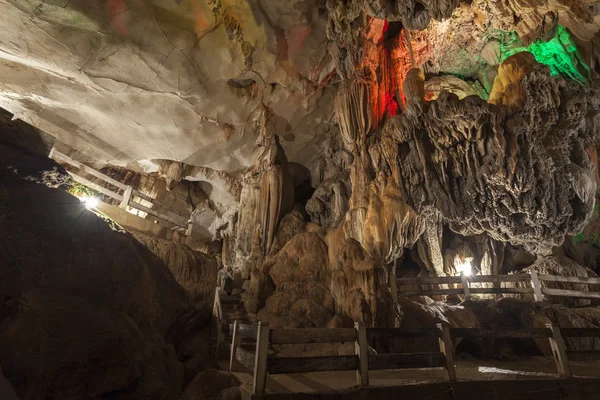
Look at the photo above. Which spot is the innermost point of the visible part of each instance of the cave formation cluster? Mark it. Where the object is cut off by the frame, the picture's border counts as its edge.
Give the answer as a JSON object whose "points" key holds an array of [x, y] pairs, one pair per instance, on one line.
{"points": [[321, 151], [433, 174]]}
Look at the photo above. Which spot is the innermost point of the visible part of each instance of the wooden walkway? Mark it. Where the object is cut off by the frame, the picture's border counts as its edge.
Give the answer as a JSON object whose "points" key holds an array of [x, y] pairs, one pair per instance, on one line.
{"points": [[536, 368]]}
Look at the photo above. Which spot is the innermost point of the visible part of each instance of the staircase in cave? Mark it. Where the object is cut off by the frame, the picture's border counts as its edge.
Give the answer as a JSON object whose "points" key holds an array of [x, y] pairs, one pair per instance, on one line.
{"points": [[233, 310]]}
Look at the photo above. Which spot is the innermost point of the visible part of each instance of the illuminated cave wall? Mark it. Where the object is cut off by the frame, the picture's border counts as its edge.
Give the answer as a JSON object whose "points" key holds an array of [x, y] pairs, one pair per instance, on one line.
{"points": [[559, 54], [387, 60]]}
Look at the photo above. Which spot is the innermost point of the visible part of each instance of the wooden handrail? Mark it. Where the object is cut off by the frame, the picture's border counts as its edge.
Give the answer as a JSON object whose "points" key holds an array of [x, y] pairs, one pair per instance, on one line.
{"points": [[533, 279], [288, 365], [129, 193], [433, 280], [580, 332], [569, 279], [95, 186], [312, 335], [570, 293], [397, 333], [142, 196], [498, 333], [362, 362], [405, 361], [89, 170]]}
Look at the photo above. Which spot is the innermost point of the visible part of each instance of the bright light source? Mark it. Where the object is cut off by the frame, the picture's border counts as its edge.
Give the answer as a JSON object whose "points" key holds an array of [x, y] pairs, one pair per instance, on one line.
{"points": [[464, 266], [89, 202]]}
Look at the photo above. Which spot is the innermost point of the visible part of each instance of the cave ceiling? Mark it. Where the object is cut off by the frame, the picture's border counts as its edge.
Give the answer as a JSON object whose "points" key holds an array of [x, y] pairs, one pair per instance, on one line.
{"points": [[142, 83]]}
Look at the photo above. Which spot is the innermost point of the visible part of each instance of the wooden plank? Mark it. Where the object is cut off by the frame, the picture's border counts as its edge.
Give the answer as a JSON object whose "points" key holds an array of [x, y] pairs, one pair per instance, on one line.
{"points": [[447, 349], [126, 197], [500, 278], [559, 351], [501, 290], [571, 293], [446, 292], [569, 279], [391, 333], [404, 361], [230, 300], [235, 342], [157, 214], [261, 359], [433, 280], [248, 331], [289, 365], [465, 286], [537, 288], [158, 203], [57, 155], [96, 187], [580, 332], [431, 292], [438, 280], [312, 335], [245, 358], [583, 355], [218, 314], [506, 333], [393, 283], [362, 352]]}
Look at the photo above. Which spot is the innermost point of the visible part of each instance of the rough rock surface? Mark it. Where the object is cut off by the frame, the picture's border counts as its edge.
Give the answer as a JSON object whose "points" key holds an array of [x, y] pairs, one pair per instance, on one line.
{"points": [[197, 71], [454, 147], [213, 385], [194, 271], [85, 310]]}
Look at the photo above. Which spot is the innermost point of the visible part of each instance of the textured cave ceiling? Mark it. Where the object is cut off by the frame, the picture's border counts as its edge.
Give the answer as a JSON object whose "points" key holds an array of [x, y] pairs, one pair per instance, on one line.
{"points": [[126, 81], [132, 83]]}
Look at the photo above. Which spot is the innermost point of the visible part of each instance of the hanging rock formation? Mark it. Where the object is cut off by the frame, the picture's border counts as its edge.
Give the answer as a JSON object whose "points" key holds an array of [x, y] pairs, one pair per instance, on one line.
{"points": [[504, 170]]}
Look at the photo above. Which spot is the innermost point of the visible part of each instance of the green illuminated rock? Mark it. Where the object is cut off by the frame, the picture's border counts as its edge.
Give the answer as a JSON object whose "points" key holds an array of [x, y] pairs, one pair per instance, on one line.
{"points": [[559, 53]]}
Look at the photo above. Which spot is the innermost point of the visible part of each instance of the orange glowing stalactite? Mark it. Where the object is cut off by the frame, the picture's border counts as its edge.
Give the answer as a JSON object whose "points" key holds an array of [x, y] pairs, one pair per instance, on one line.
{"points": [[377, 68]]}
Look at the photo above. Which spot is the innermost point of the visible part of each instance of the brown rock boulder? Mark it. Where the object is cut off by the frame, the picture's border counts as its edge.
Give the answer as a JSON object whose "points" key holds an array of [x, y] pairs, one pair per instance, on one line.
{"points": [[213, 385], [196, 272], [84, 309]]}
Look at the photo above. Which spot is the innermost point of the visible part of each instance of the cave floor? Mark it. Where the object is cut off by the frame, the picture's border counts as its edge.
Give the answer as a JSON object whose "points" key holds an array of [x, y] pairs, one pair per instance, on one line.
{"points": [[472, 370]]}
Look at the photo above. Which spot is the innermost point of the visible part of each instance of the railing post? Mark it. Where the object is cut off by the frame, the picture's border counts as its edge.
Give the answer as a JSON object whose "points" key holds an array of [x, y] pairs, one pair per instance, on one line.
{"points": [[392, 282], [559, 351], [362, 351], [126, 197], [235, 341], [188, 230], [447, 349], [535, 284], [219, 317], [261, 359], [465, 285]]}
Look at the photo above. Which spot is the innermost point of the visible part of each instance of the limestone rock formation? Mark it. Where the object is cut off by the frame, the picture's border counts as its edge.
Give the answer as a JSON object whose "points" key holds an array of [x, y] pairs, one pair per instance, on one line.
{"points": [[414, 14], [194, 271], [320, 150], [454, 148]]}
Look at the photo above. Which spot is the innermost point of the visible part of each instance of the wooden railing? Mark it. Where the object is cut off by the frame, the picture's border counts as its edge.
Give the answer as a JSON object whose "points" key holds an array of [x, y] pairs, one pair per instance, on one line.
{"points": [[261, 364], [125, 194], [532, 279]]}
